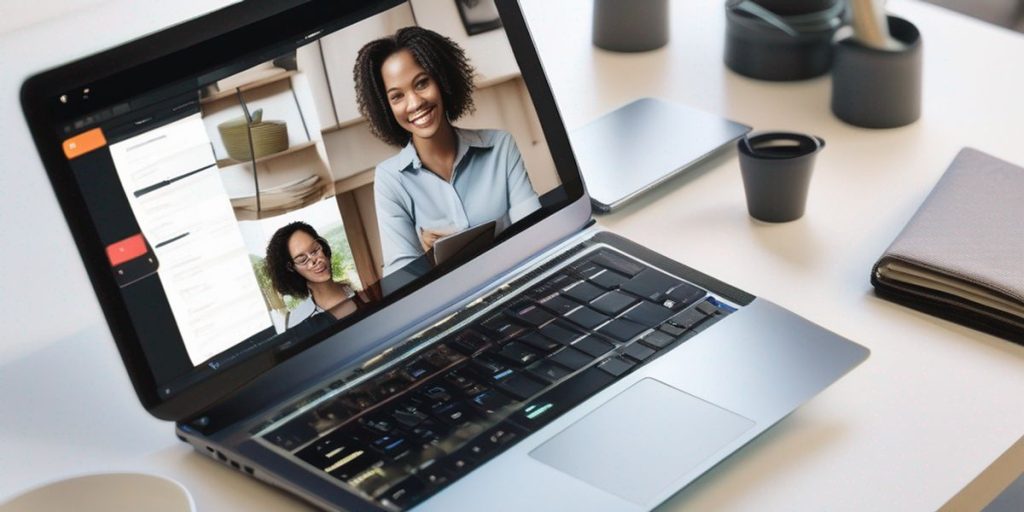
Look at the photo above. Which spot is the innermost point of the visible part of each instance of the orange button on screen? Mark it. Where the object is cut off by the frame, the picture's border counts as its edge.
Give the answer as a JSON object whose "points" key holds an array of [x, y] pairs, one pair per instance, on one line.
{"points": [[83, 143]]}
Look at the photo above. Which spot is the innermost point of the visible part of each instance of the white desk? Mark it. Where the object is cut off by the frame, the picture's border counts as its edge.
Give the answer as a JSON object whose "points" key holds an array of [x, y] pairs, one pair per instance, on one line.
{"points": [[929, 411]]}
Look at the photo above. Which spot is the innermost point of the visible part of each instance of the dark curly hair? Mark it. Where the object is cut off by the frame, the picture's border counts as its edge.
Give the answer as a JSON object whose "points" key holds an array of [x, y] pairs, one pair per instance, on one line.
{"points": [[279, 264], [443, 60]]}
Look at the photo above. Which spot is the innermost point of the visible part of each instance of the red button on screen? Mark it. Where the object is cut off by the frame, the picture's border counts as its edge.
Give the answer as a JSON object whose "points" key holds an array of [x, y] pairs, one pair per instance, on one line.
{"points": [[126, 250]]}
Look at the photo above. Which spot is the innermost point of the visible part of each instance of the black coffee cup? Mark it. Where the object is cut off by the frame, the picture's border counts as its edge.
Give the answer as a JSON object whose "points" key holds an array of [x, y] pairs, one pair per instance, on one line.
{"points": [[776, 168]]}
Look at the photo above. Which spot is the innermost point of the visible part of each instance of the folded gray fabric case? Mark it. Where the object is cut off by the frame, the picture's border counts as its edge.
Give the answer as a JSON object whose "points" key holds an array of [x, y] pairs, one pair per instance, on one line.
{"points": [[961, 256]]}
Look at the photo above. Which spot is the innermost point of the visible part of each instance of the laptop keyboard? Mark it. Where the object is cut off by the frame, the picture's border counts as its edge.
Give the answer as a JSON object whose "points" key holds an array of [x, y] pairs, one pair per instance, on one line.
{"points": [[408, 432]]}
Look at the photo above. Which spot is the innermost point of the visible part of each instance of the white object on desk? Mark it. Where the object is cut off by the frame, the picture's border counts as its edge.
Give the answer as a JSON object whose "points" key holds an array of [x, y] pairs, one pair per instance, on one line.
{"points": [[106, 492]]}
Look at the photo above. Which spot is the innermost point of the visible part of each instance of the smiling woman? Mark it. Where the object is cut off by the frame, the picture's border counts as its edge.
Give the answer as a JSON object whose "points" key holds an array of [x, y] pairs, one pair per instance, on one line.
{"points": [[411, 87]]}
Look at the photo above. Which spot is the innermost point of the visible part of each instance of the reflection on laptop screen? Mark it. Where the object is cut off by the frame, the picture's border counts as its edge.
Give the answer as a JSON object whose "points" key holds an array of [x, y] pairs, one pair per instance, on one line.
{"points": [[275, 198]]}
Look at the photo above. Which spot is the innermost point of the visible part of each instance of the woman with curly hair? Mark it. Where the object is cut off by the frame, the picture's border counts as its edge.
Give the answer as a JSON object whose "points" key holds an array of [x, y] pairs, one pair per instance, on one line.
{"points": [[299, 264], [410, 87]]}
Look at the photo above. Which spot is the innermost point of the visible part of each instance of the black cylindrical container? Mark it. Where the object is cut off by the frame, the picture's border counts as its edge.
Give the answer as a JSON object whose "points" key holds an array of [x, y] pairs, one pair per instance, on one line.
{"points": [[777, 169], [876, 88], [630, 25], [758, 49]]}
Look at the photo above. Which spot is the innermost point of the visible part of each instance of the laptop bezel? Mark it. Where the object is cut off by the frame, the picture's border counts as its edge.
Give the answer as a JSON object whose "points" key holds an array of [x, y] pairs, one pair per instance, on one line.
{"points": [[39, 93]]}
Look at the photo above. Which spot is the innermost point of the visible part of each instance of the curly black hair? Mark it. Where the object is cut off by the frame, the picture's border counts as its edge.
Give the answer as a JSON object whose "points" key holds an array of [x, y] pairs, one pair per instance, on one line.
{"points": [[443, 59], [279, 264]]}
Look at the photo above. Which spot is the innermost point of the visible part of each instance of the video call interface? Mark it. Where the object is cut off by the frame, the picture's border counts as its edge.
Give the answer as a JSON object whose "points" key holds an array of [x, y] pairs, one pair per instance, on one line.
{"points": [[270, 204]]}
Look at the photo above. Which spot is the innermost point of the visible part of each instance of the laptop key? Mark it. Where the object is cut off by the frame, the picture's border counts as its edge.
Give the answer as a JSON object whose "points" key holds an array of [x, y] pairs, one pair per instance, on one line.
{"points": [[561, 332], [672, 330], [459, 380], [418, 369], [353, 464], [613, 302], [571, 358], [616, 366], [618, 263], [682, 296], [586, 317], [392, 446], [454, 413], [501, 327], [540, 342], [409, 414], [430, 430], [593, 346], [333, 447], [435, 396], [622, 329], [558, 304], [547, 371], [552, 284], [707, 308], [520, 386], [491, 401], [657, 339], [638, 351], [468, 342], [487, 367], [583, 292], [380, 423], [532, 315], [651, 284], [584, 268], [687, 318], [648, 314], [517, 354], [608, 279]]}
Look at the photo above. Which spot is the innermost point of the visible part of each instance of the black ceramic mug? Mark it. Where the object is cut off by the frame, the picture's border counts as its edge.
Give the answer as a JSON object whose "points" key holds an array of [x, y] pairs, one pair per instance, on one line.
{"points": [[777, 169]]}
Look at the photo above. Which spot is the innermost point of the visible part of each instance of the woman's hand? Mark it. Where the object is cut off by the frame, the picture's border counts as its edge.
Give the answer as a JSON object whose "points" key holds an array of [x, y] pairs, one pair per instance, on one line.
{"points": [[429, 236]]}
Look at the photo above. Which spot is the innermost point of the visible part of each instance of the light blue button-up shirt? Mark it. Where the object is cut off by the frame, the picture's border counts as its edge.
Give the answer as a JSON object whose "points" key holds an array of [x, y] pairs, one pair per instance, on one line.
{"points": [[488, 182]]}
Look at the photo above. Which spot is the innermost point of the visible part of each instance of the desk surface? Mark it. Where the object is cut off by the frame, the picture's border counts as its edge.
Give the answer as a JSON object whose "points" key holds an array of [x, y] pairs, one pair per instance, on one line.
{"points": [[934, 405]]}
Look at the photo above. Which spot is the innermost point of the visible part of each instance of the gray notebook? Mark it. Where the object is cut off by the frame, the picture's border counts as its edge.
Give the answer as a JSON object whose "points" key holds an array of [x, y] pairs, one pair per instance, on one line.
{"points": [[962, 254], [641, 144]]}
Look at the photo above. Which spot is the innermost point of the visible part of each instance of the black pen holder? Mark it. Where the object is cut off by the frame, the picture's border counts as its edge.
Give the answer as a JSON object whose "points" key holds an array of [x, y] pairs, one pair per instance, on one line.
{"points": [[757, 49], [878, 88]]}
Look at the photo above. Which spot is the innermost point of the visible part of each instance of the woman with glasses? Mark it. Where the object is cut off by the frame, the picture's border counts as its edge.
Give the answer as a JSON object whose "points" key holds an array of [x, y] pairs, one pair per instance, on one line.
{"points": [[299, 264]]}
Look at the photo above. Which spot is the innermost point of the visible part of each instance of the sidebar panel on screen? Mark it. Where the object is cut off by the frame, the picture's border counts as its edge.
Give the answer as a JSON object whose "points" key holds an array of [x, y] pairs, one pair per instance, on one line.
{"points": [[171, 180]]}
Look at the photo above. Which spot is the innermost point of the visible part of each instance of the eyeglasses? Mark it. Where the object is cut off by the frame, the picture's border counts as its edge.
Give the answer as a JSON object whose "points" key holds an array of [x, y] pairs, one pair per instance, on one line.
{"points": [[306, 259]]}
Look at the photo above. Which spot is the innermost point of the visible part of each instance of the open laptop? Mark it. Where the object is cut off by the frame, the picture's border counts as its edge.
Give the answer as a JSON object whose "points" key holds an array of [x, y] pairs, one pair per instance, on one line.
{"points": [[561, 367]]}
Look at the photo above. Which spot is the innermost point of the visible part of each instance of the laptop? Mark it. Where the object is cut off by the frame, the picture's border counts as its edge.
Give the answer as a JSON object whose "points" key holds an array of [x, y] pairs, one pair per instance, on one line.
{"points": [[560, 366]]}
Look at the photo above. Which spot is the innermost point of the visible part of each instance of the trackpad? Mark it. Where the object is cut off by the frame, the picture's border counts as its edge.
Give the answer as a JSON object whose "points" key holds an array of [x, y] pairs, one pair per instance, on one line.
{"points": [[641, 441]]}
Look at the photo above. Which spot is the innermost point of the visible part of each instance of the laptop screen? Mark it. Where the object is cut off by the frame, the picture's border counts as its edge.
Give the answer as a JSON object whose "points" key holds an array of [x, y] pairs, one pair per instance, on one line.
{"points": [[264, 187]]}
